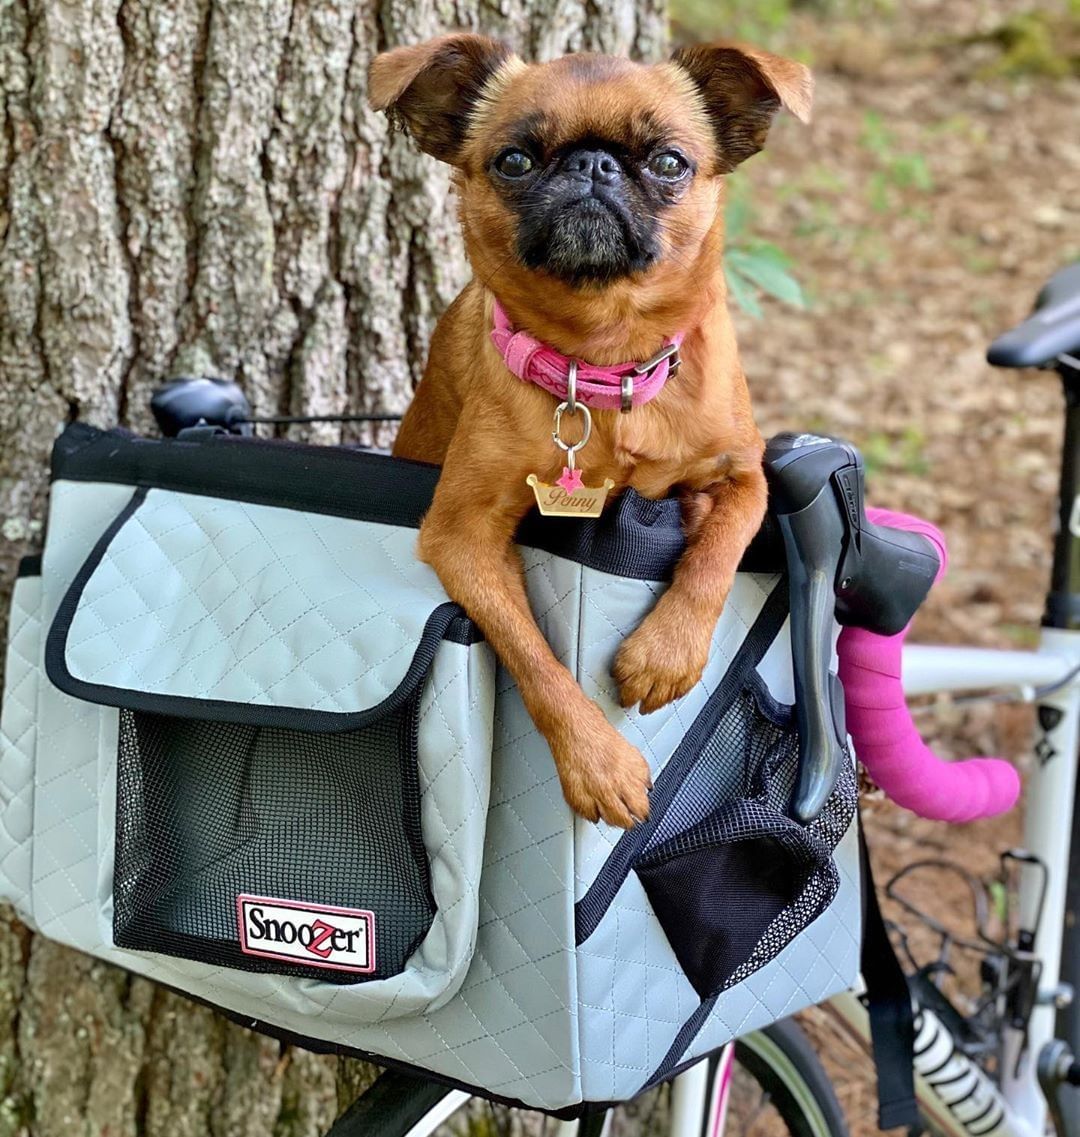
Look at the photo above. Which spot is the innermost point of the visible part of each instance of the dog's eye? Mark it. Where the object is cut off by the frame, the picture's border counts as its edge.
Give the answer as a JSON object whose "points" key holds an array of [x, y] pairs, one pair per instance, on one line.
{"points": [[513, 163], [668, 165]]}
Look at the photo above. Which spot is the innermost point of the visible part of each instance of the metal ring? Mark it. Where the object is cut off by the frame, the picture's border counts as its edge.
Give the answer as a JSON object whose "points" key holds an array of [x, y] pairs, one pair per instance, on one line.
{"points": [[571, 387], [557, 427], [627, 394]]}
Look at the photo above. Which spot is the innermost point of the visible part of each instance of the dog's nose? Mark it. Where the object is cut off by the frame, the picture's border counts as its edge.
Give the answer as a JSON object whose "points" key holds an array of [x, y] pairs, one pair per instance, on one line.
{"points": [[593, 166]]}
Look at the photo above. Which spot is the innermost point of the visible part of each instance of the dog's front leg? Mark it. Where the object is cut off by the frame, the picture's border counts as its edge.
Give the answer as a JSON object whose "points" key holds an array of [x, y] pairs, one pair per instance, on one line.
{"points": [[666, 655], [467, 537]]}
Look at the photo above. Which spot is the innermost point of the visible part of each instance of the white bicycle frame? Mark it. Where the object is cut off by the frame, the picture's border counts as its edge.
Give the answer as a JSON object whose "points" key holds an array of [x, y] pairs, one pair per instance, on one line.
{"points": [[955, 1096], [1018, 1107]]}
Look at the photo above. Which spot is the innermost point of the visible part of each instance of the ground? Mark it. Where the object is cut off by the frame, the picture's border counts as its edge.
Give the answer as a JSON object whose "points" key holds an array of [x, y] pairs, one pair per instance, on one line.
{"points": [[929, 200]]}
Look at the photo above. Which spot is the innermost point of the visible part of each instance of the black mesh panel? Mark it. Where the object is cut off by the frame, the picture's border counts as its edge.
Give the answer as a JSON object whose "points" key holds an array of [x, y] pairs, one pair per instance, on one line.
{"points": [[209, 811], [732, 878]]}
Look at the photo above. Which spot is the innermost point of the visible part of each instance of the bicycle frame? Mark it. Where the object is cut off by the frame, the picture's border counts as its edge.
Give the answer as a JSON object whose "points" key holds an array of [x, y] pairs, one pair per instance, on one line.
{"points": [[954, 1094]]}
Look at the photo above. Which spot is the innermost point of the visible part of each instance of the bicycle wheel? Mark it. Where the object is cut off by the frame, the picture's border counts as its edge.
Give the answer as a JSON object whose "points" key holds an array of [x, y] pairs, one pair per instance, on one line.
{"points": [[774, 1086], [786, 1071]]}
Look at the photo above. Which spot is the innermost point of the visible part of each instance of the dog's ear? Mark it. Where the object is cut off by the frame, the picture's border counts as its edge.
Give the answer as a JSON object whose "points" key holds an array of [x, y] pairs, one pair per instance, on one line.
{"points": [[433, 87], [743, 88]]}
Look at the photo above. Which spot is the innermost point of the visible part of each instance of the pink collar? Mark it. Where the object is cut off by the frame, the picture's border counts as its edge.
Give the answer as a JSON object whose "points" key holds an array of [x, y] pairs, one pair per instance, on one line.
{"points": [[621, 386]]}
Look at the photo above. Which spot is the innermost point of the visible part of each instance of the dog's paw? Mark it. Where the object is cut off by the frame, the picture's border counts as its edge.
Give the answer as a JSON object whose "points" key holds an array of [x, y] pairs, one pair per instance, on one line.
{"points": [[605, 778], [660, 661]]}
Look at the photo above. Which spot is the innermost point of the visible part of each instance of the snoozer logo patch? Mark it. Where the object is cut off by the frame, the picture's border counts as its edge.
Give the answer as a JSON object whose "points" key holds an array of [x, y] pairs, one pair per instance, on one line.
{"points": [[312, 934]]}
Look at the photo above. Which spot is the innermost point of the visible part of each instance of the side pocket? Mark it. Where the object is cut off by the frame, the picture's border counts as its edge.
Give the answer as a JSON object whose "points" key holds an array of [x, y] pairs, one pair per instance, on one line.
{"points": [[346, 857], [722, 888], [240, 845], [731, 877], [303, 753]]}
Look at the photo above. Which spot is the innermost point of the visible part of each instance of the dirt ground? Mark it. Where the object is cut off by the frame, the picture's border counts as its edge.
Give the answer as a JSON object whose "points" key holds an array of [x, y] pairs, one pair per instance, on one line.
{"points": [[929, 200]]}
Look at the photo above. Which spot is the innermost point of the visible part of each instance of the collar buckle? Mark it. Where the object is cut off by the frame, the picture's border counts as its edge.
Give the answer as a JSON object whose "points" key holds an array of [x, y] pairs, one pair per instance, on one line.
{"points": [[670, 352]]}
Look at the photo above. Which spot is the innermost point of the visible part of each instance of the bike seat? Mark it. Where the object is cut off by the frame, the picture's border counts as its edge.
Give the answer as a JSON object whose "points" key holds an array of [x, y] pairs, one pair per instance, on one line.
{"points": [[1053, 329]]}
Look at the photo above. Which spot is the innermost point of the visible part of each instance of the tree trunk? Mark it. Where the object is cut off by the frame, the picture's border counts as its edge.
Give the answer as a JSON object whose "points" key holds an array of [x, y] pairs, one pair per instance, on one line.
{"points": [[198, 187]]}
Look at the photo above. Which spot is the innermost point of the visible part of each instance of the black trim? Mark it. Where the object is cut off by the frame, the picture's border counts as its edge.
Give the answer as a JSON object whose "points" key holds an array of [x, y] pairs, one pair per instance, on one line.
{"points": [[975, 1120], [590, 909], [410, 792], [318, 479], [963, 1097], [29, 566], [949, 1081], [924, 1049], [687, 1033], [636, 537], [941, 1065], [779, 714], [461, 630], [447, 621]]}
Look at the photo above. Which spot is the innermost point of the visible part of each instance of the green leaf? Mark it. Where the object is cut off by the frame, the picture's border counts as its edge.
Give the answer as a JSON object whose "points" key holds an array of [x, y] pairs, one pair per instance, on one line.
{"points": [[742, 292], [767, 267]]}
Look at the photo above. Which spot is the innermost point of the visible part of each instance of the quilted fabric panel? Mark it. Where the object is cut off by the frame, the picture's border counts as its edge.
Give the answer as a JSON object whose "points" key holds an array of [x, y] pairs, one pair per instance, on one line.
{"points": [[519, 1025], [635, 997], [73, 888], [611, 608], [18, 741], [204, 598]]}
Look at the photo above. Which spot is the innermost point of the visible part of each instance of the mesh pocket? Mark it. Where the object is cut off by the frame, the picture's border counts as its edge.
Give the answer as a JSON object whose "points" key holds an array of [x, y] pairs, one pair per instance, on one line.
{"points": [[209, 812], [732, 879]]}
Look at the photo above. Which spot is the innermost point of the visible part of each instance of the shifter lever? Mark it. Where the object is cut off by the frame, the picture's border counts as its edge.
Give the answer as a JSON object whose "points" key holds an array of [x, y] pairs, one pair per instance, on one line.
{"points": [[839, 565], [800, 469]]}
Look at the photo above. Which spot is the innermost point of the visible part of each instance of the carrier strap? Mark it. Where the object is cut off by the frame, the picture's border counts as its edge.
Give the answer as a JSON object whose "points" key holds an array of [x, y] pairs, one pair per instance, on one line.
{"points": [[892, 1017], [393, 1103]]}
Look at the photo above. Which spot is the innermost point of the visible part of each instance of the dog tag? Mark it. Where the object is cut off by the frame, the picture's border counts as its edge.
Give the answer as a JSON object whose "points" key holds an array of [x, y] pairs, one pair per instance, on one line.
{"points": [[569, 497], [578, 501]]}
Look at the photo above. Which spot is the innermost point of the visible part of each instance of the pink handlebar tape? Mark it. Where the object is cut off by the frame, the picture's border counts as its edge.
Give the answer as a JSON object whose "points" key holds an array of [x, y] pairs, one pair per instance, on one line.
{"points": [[885, 738]]}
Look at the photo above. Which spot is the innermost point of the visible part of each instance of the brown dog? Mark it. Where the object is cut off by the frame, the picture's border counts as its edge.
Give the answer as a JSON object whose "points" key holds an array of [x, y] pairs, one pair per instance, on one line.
{"points": [[591, 199]]}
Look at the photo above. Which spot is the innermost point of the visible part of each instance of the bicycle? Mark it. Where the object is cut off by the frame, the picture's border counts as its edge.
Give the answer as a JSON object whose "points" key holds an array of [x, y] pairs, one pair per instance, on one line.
{"points": [[1000, 1067]]}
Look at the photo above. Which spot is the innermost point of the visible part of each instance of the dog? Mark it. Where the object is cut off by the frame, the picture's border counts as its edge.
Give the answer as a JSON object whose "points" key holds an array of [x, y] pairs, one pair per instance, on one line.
{"points": [[590, 193]]}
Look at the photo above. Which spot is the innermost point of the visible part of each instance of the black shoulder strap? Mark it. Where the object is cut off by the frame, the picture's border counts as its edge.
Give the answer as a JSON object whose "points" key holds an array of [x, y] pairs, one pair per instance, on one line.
{"points": [[393, 1103], [892, 1017]]}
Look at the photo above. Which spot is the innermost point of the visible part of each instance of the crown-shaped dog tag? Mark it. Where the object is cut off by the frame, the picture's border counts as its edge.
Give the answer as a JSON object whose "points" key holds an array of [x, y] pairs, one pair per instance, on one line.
{"points": [[578, 501], [569, 497]]}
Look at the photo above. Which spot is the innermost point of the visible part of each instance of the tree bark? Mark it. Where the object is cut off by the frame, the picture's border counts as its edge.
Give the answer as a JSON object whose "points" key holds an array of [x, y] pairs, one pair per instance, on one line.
{"points": [[198, 187]]}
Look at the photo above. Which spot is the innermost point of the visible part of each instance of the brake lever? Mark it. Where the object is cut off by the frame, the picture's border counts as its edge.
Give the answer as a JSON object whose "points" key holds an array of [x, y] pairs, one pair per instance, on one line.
{"points": [[800, 470], [839, 566]]}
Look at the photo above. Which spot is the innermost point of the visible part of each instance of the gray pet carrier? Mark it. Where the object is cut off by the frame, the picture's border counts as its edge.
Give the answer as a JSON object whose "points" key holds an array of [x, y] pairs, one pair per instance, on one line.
{"points": [[252, 751]]}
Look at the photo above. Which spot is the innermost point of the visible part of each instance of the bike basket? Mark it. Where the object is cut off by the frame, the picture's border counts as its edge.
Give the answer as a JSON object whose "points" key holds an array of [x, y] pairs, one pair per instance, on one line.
{"points": [[250, 749]]}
